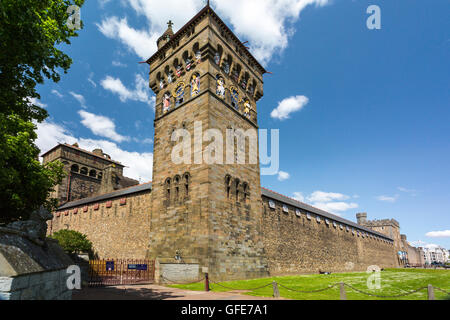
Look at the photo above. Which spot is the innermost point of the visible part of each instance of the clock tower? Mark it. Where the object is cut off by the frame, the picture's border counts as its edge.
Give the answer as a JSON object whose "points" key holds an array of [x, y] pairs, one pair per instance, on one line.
{"points": [[206, 209]]}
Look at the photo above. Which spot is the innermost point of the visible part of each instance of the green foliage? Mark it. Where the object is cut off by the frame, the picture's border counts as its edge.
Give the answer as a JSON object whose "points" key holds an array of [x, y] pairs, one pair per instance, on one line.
{"points": [[30, 32], [25, 183], [72, 241]]}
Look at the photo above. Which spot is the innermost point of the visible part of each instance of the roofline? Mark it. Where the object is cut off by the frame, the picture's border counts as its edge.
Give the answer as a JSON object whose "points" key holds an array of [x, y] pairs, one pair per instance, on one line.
{"points": [[82, 150], [115, 194], [267, 193], [206, 9]]}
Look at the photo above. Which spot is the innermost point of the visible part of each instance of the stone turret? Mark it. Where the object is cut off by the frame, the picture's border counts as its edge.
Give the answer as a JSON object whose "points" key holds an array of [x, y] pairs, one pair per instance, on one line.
{"points": [[167, 35], [361, 218]]}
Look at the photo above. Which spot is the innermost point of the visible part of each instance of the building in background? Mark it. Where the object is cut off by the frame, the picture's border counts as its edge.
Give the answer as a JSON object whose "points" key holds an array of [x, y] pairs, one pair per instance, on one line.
{"points": [[89, 174], [435, 254]]}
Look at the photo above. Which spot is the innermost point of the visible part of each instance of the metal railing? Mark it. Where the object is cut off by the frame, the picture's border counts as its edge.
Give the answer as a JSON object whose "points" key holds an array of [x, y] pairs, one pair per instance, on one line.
{"points": [[112, 272]]}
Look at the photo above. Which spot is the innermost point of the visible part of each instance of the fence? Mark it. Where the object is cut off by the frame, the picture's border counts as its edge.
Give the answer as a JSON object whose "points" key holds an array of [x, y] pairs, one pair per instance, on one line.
{"points": [[120, 271], [342, 289]]}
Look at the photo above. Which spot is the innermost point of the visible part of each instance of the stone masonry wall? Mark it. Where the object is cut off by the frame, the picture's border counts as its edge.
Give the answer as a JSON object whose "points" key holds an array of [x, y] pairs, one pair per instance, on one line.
{"points": [[51, 285], [298, 245], [116, 230]]}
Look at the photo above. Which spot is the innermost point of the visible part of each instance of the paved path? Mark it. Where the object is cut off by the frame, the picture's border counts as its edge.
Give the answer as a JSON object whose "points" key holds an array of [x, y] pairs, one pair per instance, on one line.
{"points": [[155, 292]]}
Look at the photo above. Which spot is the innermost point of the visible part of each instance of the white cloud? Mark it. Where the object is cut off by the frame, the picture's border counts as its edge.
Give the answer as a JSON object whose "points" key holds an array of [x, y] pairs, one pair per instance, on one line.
{"points": [[289, 105], [391, 199], [411, 192], [36, 102], [57, 93], [118, 64], [283, 176], [328, 201], [138, 41], [418, 243], [79, 98], [139, 93], [139, 165], [266, 24], [438, 234], [92, 81], [147, 141], [299, 196], [101, 126], [335, 207], [320, 196]]}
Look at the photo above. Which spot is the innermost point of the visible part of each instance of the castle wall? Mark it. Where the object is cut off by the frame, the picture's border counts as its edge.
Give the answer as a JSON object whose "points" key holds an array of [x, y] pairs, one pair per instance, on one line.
{"points": [[116, 230], [298, 245]]}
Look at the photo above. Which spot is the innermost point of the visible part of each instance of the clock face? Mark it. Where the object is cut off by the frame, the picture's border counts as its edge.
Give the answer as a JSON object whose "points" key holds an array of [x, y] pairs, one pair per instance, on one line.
{"points": [[179, 91]]}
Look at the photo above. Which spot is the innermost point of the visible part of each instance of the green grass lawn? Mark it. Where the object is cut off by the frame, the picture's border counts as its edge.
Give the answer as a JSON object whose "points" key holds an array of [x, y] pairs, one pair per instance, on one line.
{"points": [[393, 282]]}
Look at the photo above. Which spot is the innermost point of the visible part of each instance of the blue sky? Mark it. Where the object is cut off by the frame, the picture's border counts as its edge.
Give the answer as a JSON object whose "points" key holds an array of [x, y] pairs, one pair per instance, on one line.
{"points": [[363, 114]]}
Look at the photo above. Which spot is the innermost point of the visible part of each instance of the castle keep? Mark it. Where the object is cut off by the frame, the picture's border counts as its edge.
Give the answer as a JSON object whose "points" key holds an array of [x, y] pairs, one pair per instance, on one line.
{"points": [[207, 214]]}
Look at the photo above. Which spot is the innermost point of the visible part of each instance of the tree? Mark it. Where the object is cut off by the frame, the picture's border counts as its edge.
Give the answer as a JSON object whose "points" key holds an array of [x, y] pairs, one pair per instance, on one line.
{"points": [[72, 241], [30, 32]]}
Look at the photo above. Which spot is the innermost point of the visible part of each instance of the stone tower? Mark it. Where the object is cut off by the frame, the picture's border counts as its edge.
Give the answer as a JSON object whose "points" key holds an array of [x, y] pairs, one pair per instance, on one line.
{"points": [[389, 227], [88, 173], [207, 213]]}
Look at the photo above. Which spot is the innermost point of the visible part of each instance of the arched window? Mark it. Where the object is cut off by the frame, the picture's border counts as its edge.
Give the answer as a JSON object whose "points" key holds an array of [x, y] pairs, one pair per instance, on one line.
{"points": [[74, 168], [218, 55], [176, 182], [195, 84], [186, 181], [244, 81], [197, 53], [160, 79], [236, 188], [168, 186], [245, 192], [187, 61], [178, 67], [220, 86], [169, 74], [84, 171], [167, 104], [100, 175], [234, 97], [227, 64], [236, 73], [228, 185], [93, 173], [252, 87]]}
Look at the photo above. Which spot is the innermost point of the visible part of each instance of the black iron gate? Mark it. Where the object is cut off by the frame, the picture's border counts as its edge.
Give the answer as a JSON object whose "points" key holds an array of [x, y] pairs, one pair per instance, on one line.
{"points": [[114, 272]]}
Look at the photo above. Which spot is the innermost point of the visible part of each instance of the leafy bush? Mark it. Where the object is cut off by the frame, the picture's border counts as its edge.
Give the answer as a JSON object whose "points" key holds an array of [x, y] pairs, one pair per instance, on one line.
{"points": [[72, 241]]}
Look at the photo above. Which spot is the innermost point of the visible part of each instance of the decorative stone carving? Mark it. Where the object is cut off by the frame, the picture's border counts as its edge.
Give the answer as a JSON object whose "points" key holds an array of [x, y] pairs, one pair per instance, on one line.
{"points": [[35, 228]]}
